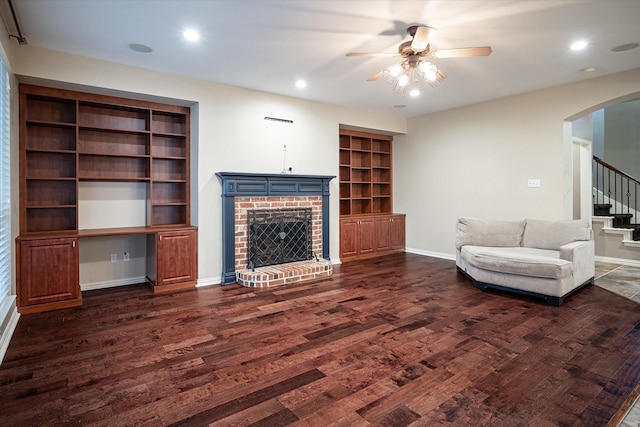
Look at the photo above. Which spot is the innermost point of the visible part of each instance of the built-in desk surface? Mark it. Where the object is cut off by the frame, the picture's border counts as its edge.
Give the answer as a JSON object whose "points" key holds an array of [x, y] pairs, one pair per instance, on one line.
{"points": [[105, 232]]}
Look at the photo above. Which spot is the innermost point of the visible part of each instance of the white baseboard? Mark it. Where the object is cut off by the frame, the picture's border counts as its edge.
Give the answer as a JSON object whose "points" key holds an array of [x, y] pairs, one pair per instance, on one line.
{"points": [[9, 318], [210, 281], [450, 257], [622, 261], [112, 283]]}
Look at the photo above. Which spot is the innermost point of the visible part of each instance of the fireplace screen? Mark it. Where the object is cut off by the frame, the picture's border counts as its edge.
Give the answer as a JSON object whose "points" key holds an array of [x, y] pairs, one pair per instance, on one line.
{"points": [[278, 236]]}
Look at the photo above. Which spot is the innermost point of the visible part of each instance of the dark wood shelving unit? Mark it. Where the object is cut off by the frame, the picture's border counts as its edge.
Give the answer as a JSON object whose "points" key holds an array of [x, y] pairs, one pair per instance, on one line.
{"points": [[367, 222], [48, 164], [169, 186], [68, 136], [365, 173]]}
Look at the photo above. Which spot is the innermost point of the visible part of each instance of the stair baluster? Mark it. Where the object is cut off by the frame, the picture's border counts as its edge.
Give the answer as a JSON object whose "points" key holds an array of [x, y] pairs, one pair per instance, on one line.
{"points": [[624, 203]]}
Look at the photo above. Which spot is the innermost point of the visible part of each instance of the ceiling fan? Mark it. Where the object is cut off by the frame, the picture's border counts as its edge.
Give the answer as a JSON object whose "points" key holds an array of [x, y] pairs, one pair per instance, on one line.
{"points": [[415, 55]]}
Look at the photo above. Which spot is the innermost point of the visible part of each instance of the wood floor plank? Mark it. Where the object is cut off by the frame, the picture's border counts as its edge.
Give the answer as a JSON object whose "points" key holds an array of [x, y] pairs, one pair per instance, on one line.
{"points": [[259, 396], [394, 341]]}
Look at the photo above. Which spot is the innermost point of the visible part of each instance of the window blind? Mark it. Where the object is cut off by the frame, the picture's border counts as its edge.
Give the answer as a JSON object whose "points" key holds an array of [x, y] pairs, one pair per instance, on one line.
{"points": [[5, 185]]}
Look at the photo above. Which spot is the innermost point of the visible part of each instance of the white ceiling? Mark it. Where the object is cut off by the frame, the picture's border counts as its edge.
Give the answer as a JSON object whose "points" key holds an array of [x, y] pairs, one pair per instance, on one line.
{"points": [[268, 44]]}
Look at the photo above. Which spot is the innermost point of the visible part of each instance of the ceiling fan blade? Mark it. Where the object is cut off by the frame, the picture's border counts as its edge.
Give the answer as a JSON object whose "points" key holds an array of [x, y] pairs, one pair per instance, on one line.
{"points": [[383, 55], [375, 77], [421, 38], [462, 52]]}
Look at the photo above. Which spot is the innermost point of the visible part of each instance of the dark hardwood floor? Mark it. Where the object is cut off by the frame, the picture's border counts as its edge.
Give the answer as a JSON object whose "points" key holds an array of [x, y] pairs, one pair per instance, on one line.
{"points": [[402, 340]]}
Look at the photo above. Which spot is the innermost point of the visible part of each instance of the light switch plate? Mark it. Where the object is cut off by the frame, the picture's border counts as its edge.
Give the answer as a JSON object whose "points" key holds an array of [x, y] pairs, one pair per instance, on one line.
{"points": [[533, 183]]}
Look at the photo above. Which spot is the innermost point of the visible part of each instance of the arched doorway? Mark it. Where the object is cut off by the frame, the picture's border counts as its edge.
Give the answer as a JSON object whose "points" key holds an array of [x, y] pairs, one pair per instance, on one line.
{"points": [[584, 135]]}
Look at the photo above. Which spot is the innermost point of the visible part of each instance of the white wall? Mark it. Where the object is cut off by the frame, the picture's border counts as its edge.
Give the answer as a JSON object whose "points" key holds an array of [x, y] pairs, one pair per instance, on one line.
{"points": [[582, 134], [231, 136], [622, 137], [475, 161]]}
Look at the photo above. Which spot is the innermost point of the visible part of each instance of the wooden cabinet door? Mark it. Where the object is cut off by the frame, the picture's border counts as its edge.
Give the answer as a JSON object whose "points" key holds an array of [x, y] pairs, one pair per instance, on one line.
{"points": [[176, 258], [48, 272], [366, 236], [397, 232], [348, 237], [357, 237], [383, 227]]}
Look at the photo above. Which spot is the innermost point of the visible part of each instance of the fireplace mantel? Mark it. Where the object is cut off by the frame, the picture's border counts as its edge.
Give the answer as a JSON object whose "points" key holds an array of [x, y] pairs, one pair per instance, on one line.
{"points": [[266, 184]]}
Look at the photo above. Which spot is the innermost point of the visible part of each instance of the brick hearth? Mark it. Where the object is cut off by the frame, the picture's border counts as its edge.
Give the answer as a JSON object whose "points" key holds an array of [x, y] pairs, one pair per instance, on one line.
{"points": [[276, 275]]}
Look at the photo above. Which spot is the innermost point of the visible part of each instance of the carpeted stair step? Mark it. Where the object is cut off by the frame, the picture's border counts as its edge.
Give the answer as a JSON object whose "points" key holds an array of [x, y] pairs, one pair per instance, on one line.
{"points": [[601, 209]]}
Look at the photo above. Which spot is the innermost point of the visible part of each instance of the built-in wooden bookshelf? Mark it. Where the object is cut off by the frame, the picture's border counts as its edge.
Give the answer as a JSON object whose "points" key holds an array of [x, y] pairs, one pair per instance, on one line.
{"points": [[365, 173], [48, 163], [368, 226], [72, 136], [169, 153], [67, 137]]}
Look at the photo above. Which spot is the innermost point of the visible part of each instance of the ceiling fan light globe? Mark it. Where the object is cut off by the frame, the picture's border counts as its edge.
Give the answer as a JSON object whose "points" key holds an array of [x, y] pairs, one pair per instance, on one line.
{"points": [[428, 70], [403, 80], [387, 76], [395, 70]]}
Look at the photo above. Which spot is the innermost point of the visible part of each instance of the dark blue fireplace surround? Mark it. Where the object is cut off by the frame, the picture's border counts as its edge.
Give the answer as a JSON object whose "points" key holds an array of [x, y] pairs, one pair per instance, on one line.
{"points": [[262, 184]]}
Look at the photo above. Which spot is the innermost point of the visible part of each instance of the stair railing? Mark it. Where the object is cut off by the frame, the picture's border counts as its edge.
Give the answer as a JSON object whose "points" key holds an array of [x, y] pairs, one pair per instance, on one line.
{"points": [[616, 188]]}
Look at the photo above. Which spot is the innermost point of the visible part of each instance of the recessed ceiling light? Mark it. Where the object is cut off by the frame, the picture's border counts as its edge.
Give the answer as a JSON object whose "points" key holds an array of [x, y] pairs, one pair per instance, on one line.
{"points": [[578, 45], [625, 47], [414, 93], [139, 47], [191, 35], [301, 84]]}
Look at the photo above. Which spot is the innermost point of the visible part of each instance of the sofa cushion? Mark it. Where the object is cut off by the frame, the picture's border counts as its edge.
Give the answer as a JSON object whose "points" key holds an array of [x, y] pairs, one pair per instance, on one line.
{"points": [[553, 234], [518, 260], [472, 231]]}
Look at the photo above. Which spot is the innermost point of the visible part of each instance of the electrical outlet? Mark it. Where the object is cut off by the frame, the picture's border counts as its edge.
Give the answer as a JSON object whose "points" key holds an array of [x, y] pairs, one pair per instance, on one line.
{"points": [[533, 183], [125, 256], [114, 257]]}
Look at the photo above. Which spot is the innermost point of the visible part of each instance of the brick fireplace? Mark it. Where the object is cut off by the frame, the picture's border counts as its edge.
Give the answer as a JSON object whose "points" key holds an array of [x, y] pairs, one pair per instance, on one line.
{"points": [[243, 193]]}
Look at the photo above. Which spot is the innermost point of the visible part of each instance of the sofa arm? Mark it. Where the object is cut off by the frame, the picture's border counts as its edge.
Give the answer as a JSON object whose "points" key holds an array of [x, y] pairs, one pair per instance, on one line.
{"points": [[582, 254]]}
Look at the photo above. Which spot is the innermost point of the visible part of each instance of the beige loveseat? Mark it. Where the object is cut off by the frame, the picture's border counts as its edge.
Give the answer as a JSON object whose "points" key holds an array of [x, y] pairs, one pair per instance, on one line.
{"points": [[547, 259]]}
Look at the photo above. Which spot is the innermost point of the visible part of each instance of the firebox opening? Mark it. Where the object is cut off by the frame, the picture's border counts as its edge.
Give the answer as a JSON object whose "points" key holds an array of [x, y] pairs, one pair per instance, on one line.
{"points": [[278, 236]]}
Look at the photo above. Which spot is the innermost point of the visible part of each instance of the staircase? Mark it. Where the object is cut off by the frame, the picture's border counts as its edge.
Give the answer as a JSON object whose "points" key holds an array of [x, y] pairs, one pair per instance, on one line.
{"points": [[615, 202], [621, 222]]}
